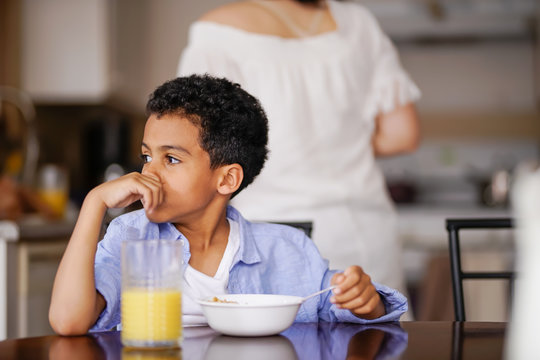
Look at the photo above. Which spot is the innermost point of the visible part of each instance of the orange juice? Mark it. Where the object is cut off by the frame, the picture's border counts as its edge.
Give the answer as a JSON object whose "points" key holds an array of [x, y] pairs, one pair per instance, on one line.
{"points": [[151, 317], [56, 198]]}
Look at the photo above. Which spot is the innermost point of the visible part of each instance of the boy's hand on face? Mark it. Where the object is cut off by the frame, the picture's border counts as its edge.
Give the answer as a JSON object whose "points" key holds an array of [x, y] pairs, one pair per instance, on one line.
{"points": [[356, 293], [129, 188]]}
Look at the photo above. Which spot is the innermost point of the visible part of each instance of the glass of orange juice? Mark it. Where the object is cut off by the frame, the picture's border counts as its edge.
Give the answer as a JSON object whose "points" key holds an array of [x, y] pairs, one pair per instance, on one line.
{"points": [[53, 188], [152, 293]]}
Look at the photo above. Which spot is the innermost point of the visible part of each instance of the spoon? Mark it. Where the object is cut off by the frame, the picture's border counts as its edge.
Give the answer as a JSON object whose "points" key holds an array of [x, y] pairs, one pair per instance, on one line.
{"points": [[319, 292]]}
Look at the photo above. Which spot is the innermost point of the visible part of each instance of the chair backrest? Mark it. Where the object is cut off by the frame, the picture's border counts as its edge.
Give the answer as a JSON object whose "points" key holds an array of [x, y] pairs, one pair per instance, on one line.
{"points": [[458, 275], [305, 226]]}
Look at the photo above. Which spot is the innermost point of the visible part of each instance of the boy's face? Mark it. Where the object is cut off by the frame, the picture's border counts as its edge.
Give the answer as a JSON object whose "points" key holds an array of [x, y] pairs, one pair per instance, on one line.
{"points": [[171, 152]]}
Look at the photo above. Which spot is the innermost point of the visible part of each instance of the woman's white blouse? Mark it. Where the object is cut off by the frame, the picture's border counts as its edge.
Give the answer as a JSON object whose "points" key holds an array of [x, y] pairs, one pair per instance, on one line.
{"points": [[321, 95]]}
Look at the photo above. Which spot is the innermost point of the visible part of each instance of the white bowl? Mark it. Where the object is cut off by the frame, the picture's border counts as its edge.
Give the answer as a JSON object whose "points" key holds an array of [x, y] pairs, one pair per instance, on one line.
{"points": [[251, 314]]}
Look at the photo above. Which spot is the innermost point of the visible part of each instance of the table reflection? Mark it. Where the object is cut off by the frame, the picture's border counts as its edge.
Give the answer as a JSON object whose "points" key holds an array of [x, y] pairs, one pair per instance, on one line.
{"points": [[136, 354], [347, 341], [241, 348], [79, 347], [301, 341]]}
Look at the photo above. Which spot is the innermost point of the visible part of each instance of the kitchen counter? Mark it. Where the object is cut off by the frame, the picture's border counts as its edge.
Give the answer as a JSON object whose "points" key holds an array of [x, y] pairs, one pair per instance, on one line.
{"points": [[423, 225], [30, 251]]}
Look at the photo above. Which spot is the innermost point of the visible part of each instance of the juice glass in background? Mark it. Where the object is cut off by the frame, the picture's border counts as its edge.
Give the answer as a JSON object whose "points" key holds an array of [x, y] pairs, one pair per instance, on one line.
{"points": [[152, 293], [53, 188]]}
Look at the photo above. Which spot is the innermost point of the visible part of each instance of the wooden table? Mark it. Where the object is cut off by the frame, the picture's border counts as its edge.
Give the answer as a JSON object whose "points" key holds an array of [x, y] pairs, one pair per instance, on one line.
{"points": [[405, 340]]}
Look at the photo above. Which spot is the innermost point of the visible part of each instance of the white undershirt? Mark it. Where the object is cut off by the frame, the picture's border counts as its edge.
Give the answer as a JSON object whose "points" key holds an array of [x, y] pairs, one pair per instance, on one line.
{"points": [[198, 285]]}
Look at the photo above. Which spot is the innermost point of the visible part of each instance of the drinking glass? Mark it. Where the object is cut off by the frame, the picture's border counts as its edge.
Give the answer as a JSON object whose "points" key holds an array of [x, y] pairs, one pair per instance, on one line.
{"points": [[152, 293], [53, 188]]}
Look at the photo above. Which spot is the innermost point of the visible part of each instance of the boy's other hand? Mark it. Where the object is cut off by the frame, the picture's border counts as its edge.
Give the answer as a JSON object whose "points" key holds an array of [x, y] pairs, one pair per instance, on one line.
{"points": [[356, 293], [129, 188]]}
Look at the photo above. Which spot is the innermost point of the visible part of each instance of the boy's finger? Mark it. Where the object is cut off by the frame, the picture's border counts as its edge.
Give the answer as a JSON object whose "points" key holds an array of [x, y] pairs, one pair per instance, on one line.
{"points": [[152, 193], [351, 277], [357, 298], [367, 307], [161, 196], [351, 294], [337, 279], [358, 288], [344, 297], [146, 199], [150, 178]]}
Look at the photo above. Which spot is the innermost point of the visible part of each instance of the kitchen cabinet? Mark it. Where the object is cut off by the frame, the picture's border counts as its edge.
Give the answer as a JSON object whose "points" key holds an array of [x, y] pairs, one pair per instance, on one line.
{"points": [[8, 232], [447, 19], [65, 50], [30, 252]]}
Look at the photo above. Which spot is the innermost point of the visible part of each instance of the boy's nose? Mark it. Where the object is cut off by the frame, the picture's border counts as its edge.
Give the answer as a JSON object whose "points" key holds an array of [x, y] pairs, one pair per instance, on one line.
{"points": [[150, 170]]}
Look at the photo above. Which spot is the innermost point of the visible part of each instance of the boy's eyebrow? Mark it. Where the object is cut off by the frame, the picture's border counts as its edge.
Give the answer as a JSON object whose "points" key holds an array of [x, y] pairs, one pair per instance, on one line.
{"points": [[169, 147]]}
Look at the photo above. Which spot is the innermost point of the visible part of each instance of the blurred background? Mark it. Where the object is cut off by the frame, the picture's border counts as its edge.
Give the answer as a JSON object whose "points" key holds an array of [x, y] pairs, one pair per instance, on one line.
{"points": [[79, 73]]}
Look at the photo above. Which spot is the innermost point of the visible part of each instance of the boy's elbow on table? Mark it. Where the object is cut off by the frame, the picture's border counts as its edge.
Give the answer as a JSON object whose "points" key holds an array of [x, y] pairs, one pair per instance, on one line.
{"points": [[67, 325]]}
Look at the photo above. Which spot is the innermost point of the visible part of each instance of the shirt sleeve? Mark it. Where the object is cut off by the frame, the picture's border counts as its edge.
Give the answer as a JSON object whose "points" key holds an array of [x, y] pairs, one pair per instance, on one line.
{"points": [[391, 85], [394, 302], [107, 276]]}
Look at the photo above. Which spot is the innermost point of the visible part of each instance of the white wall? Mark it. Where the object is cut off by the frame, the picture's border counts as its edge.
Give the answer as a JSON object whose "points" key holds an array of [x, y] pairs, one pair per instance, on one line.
{"points": [[65, 52], [149, 37], [89, 50], [494, 76], [80, 51], [484, 76]]}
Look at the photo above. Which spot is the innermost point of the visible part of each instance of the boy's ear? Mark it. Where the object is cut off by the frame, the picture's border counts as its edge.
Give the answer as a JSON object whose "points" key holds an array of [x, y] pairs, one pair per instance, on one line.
{"points": [[230, 179]]}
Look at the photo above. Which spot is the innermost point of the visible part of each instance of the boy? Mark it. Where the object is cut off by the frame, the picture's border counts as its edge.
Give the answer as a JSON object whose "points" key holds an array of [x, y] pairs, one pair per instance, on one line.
{"points": [[204, 141]]}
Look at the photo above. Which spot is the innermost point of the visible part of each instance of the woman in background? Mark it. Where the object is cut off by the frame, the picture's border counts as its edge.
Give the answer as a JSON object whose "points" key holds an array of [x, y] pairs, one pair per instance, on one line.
{"points": [[336, 97]]}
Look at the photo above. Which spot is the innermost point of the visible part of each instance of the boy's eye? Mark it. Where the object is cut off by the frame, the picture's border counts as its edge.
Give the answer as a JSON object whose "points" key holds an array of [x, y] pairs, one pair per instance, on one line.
{"points": [[146, 158], [172, 160]]}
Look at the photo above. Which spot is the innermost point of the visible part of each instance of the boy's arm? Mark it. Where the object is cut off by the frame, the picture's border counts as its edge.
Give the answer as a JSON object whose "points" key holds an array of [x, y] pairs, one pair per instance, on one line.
{"points": [[75, 303]]}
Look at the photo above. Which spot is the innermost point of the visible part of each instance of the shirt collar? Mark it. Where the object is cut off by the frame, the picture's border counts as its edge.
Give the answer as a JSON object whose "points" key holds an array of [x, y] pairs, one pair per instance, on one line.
{"points": [[248, 252], [169, 231]]}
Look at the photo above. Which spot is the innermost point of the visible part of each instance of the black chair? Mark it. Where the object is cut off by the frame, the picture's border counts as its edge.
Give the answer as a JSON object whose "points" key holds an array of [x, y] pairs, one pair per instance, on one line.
{"points": [[305, 226], [458, 275]]}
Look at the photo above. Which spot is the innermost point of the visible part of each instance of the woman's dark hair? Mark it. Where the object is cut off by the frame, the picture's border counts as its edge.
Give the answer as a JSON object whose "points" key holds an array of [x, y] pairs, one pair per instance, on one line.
{"points": [[233, 127]]}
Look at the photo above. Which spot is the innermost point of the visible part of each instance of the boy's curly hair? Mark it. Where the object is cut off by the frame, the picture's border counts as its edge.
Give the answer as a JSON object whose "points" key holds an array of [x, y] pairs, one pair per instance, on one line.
{"points": [[232, 123]]}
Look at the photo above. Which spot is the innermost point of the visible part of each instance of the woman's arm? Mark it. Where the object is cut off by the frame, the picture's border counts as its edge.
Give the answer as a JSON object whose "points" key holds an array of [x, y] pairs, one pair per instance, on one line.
{"points": [[397, 131]]}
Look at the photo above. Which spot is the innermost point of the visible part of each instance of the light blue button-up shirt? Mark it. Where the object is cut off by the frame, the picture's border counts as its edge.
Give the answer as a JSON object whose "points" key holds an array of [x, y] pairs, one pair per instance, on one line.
{"points": [[271, 259]]}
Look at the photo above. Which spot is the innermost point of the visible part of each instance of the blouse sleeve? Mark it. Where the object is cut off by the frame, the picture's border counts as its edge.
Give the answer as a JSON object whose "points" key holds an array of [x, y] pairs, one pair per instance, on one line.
{"points": [[391, 86]]}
